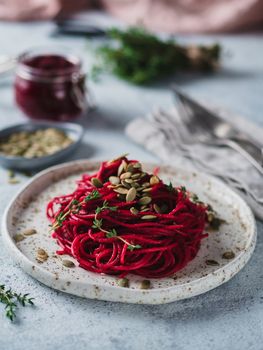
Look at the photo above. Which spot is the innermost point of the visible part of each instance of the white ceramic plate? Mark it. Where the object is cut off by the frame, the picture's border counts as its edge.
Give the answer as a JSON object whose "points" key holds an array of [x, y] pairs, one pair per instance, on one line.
{"points": [[27, 210]]}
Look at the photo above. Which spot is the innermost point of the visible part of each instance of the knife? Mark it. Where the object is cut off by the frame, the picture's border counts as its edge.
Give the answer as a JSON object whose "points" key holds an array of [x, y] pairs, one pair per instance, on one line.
{"points": [[219, 127]]}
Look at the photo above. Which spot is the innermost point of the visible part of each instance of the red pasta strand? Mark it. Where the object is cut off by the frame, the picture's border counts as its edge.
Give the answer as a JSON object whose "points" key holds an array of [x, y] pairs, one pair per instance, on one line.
{"points": [[154, 247]]}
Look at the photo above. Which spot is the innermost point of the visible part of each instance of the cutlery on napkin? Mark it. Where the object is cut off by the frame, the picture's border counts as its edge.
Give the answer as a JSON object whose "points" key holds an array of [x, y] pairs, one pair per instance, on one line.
{"points": [[160, 132]]}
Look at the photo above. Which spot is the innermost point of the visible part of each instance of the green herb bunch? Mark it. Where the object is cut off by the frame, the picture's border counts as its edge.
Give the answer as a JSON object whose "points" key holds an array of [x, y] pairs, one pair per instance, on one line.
{"points": [[141, 57], [12, 299]]}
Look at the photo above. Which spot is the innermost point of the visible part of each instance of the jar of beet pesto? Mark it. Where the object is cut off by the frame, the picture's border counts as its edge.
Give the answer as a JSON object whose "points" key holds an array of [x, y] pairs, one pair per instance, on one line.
{"points": [[50, 84]]}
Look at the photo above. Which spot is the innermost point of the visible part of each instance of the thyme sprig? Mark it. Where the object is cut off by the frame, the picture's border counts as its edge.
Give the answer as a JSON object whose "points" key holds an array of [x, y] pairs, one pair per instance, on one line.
{"points": [[97, 224], [12, 299], [75, 205], [134, 55]]}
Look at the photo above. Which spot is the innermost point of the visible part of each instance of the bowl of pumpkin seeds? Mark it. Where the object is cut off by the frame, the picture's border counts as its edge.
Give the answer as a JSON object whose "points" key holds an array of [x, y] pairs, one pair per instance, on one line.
{"points": [[36, 145]]}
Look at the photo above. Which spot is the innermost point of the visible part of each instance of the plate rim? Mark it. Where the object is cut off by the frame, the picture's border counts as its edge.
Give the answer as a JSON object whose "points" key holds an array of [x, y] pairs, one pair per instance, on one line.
{"points": [[26, 264]]}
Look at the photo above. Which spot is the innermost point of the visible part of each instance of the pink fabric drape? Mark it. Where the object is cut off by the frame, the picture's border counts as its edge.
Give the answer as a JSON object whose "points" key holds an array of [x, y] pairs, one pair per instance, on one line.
{"points": [[174, 16], [188, 16]]}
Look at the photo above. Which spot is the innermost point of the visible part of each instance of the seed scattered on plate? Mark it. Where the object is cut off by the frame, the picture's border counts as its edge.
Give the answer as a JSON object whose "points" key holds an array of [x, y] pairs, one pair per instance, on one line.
{"points": [[145, 284], [11, 174], [228, 255], [212, 263], [123, 282], [19, 237], [29, 232], [13, 181], [68, 263], [42, 255]]}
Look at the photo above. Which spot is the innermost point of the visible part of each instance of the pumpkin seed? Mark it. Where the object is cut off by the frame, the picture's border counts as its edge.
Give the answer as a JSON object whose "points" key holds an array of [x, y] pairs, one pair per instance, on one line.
{"points": [[157, 209], [29, 232], [19, 237], [145, 284], [126, 175], [144, 209], [146, 184], [121, 190], [145, 200], [210, 217], [96, 182], [154, 180], [135, 185], [129, 181], [123, 282], [115, 180], [131, 195], [130, 168], [147, 189], [228, 255], [41, 255], [212, 263], [11, 174], [136, 176], [118, 158], [148, 217], [68, 263], [122, 167], [13, 181], [137, 165], [41, 252], [125, 184], [134, 211]]}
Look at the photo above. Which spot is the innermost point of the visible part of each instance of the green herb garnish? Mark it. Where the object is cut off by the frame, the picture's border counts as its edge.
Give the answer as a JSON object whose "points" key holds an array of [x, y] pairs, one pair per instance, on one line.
{"points": [[93, 195], [111, 233], [74, 205], [140, 57], [131, 247], [12, 299]]}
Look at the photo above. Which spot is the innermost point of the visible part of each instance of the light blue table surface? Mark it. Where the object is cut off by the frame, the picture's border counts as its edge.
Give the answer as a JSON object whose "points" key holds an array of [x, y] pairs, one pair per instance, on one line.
{"points": [[229, 317]]}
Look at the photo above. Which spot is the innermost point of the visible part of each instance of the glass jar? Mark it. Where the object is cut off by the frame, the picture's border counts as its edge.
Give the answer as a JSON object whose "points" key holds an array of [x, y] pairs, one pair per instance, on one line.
{"points": [[50, 85]]}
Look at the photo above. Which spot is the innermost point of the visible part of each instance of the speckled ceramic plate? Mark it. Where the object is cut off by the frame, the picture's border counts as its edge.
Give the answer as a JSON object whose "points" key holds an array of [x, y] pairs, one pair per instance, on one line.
{"points": [[27, 211]]}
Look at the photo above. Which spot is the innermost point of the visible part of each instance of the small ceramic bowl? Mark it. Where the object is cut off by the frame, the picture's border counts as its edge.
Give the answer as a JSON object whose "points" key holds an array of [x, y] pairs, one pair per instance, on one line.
{"points": [[74, 131]]}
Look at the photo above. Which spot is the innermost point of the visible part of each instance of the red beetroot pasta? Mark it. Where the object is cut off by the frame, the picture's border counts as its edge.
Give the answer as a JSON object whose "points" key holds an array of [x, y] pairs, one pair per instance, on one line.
{"points": [[122, 220]]}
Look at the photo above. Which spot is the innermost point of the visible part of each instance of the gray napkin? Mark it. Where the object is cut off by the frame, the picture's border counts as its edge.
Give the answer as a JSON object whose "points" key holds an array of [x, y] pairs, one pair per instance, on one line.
{"points": [[157, 135]]}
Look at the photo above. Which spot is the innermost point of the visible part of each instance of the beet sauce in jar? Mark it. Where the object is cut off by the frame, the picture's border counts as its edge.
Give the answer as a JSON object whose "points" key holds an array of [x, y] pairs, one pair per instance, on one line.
{"points": [[50, 86]]}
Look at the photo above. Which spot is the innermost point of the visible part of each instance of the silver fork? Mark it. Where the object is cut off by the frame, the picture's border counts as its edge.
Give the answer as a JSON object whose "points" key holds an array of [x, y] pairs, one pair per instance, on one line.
{"points": [[176, 135], [206, 127]]}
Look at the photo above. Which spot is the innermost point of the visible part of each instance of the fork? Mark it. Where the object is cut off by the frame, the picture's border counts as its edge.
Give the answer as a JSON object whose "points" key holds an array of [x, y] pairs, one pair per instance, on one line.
{"points": [[176, 134], [203, 126]]}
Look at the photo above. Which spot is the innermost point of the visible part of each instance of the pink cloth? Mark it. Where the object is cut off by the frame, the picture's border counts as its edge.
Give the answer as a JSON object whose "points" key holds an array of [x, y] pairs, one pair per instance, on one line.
{"points": [[173, 16], [189, 16]]}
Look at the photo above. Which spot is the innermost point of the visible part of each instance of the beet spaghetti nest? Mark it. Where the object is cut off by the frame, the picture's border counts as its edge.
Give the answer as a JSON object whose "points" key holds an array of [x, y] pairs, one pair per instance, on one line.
{"points": [[123, 220]]}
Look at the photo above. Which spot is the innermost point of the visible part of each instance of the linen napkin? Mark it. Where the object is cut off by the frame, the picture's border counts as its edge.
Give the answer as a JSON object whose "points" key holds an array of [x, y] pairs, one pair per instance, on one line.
{"points": [[157, 135]]}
